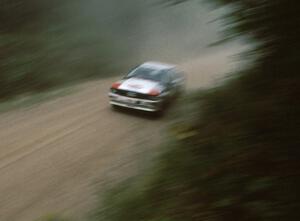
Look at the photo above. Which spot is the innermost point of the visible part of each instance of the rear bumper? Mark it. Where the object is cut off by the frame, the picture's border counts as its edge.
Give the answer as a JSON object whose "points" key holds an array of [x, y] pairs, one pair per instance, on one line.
{"points": [[135, 103]]}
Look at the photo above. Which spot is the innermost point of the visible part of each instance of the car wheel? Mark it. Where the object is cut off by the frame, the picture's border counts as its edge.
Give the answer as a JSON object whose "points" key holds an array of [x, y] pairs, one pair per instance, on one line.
{"points": [[114, 107], [158, 114]]}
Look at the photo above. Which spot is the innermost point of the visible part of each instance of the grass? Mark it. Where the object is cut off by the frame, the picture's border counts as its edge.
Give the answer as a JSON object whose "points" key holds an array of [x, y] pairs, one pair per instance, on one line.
{"points": [[29, 100], [52, 217], [230, 156]]}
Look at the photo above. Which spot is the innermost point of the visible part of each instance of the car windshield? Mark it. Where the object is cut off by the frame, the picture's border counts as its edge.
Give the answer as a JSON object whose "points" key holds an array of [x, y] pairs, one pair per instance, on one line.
{"points": [[147, 73]]}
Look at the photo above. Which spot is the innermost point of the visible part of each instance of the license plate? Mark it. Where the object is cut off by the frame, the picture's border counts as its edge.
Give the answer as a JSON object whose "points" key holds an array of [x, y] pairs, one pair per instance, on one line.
{"points": [[126, 100]]}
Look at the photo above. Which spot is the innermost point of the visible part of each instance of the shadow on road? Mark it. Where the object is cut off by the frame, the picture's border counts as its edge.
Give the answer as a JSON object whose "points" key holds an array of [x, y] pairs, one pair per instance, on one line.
{"points": [[138, 113]]}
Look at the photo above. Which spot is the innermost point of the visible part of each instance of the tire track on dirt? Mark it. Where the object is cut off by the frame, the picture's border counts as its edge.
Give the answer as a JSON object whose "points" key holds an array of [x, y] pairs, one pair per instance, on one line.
{"points": [[53, 154]]}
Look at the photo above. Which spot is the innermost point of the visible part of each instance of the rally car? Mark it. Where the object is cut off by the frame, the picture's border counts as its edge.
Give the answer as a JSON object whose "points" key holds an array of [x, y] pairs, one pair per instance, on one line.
{"points": [[147, 87]]}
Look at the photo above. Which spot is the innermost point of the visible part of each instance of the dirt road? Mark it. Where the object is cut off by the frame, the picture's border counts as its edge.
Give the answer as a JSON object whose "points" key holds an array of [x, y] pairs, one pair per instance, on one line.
{"points": [[53, 154]]}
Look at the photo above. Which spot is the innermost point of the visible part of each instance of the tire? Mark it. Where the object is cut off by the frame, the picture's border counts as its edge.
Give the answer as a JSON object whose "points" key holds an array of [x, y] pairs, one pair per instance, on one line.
{"points": [[114, 107], [159, 113]]}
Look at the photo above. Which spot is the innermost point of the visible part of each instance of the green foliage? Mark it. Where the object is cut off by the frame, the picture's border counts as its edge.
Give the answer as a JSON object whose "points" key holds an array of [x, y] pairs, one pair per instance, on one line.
{"points": [[25, 101], [237, 157], [53, 217], [41, 47], [45, 44], [225, 170]]}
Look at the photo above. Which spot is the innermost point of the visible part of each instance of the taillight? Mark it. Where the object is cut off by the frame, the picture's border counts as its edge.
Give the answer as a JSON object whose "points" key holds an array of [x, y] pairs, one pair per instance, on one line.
{"points": [[116, 85], [154, 92]]}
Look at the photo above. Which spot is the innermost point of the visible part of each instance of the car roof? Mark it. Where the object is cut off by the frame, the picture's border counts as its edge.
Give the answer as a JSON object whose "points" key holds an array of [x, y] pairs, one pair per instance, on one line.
{"points": [[157, 65]]}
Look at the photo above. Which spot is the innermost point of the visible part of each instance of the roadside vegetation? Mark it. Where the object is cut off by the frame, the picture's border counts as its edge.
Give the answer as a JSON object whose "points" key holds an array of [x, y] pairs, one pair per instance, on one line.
{"points": [[41, 49], [233, 152], [45, 45], [31, 99]]}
